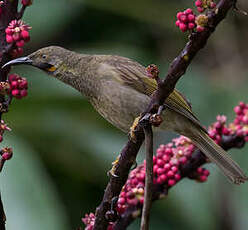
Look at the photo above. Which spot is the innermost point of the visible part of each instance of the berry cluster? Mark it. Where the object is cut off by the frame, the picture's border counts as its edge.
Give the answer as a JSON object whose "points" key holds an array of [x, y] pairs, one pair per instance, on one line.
{"points": [[186, 20], [17, 33], [18, 86], [89, 221], [27, 2], [202, 5], [169, 160], [238, 127]]}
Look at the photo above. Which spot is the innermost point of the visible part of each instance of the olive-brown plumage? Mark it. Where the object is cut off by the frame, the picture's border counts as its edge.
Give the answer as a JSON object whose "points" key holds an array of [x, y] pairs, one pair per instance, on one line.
{"points": [[119, 90]]}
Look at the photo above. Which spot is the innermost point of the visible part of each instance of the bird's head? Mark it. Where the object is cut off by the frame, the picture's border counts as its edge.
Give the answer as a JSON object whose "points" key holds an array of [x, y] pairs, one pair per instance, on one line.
{"points": [[48, 59]]}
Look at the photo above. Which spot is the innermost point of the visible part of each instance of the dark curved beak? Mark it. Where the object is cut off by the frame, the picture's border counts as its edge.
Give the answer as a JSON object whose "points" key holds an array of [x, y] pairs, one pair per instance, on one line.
{"points": [[19, 61]]}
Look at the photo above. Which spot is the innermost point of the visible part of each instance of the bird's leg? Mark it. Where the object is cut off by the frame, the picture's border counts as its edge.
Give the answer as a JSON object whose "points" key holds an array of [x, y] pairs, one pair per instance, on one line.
{"points": [[111, 172], [156, 119], [132, 129]]}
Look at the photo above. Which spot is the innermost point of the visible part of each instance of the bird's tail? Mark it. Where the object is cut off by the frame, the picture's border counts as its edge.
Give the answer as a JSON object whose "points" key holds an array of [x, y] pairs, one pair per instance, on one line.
{"points": [[220, 157]]}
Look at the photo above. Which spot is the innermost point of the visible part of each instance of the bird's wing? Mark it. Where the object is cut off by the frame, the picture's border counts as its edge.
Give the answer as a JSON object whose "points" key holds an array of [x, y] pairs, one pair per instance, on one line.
{"points": [[134, 75]]}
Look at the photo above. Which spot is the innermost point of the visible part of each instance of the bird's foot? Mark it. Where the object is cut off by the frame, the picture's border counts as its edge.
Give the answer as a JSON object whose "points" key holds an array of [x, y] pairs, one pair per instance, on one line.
{"points": [[132, 135], [111, 172]]}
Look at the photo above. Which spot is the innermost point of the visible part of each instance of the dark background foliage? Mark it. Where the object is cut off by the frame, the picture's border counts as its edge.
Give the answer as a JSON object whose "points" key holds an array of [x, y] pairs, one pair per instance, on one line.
{"points": [[63, 148]]}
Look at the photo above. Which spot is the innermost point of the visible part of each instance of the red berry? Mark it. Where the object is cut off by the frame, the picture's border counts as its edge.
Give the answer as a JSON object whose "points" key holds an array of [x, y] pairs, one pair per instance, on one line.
{"points": [[7, 156], [183, 27], [8, 31], [188, 11], [23, 84], [15, 92], [171, 182], [24, 93], [179, 14], [191, 18], [191, 25], [200, 29], [177, 23], [9, 38], [20, 43], [200, 9], [16, 36], [198, 3], [183, 18], [12, 77], [14, 84]]}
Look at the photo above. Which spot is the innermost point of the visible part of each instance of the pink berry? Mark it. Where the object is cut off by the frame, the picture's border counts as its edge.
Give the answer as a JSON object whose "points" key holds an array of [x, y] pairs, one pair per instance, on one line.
{"points": [[183, 18], [171, 182], [163, 178], [8, 31], [7, 156], [200, 9], [183, 160], [191, 18], [25, 34], [160, 171], [212, 5], [167, 166], [177, 23], [14, 84], [203, 178], [9, 38], [179, 14], [23, 84], [121, 200], [200, 29], [15, 92], [198, 3], [170, 174], [174, 169], [16, 36], [191, 25], [188, 11], [160, 163], [183, 27], [12, 77], [177, 177], [20, 43], [206, 173]]}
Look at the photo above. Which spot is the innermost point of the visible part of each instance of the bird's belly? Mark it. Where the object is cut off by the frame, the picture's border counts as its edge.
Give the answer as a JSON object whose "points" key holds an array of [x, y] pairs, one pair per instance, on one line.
{"points": [[120, 106]]}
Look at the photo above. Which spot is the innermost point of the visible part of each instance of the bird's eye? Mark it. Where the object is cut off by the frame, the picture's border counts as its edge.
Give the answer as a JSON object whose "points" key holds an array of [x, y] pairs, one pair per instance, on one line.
{"points": [[44, 56]]}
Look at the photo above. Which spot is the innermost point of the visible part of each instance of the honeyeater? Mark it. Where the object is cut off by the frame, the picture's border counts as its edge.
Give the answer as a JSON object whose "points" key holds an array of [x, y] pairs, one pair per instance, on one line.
{"points": [[119, 89]]}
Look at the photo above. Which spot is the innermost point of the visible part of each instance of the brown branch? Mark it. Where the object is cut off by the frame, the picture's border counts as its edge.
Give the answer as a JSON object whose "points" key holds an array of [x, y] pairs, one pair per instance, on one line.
{"points": [[178, 67], [149, 177]]}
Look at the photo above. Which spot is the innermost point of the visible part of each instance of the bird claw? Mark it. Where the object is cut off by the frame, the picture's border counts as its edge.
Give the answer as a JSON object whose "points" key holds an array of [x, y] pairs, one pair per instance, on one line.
{"points": [[132, 135], [111, 172]]}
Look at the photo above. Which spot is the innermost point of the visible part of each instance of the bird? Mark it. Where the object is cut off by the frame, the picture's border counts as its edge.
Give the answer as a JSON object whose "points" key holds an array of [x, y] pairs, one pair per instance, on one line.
{"points": [[120, 90]]}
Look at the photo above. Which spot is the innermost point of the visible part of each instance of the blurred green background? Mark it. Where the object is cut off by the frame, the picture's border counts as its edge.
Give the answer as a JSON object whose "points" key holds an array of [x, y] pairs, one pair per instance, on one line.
{"points": [[63, 148]]}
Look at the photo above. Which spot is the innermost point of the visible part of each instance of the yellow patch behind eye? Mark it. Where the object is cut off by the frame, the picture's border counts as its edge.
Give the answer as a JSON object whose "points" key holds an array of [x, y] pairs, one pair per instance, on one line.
{"points": [[51, 69]]}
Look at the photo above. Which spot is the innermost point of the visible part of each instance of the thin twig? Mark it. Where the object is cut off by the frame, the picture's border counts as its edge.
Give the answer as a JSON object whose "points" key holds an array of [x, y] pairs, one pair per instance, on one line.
{"points": [[2, 215], [149, 178]]}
